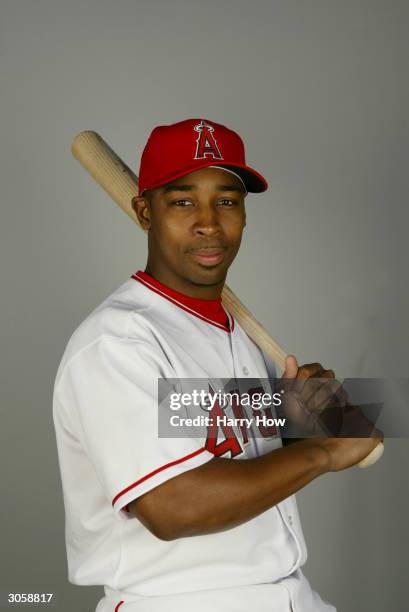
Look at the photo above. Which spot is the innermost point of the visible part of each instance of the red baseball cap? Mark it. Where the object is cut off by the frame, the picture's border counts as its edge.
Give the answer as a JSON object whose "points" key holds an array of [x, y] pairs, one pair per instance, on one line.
{"points": [[180, 148]]}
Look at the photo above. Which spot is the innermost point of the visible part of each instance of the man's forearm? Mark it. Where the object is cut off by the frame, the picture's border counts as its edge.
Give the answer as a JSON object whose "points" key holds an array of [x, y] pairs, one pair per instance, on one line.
{"points": [[224, 493]]}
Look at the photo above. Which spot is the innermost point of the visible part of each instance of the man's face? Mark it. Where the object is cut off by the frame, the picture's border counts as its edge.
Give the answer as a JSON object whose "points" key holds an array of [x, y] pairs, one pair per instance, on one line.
{"points": [[195, 227]]}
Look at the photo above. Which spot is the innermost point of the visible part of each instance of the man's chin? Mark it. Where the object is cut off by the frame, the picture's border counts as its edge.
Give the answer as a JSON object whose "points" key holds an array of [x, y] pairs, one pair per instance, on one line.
{"points": [[208, 276]]}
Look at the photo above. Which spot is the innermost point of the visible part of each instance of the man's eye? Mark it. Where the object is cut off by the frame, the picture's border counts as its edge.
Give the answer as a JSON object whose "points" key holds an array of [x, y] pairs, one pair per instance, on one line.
{"points": [[227, 202], [181, 203]]}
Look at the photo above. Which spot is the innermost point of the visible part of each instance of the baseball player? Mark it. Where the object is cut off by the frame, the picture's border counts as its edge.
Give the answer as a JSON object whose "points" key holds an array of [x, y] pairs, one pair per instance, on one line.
{"points": [[183, 523]]}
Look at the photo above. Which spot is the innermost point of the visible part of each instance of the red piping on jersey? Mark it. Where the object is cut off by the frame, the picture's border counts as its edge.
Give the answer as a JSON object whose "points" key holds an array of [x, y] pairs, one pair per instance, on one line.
{"points": [[118, 606], [160, 469], [203, 309]]}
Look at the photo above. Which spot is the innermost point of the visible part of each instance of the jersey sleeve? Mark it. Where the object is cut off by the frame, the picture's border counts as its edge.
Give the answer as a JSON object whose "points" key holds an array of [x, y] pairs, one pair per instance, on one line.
{"points": [[110, 389]]}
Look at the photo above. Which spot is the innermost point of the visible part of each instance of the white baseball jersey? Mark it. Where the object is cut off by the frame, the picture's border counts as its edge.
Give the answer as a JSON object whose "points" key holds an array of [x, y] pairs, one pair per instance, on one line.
{"points": [[105, 410]]}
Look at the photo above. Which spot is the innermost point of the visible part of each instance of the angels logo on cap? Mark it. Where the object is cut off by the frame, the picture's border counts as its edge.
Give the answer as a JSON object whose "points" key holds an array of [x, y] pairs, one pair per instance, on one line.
{"points": [[206, 143], [181, 148]]}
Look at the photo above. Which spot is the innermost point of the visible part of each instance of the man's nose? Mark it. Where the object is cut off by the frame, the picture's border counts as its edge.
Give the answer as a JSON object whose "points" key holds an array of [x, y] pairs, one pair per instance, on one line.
{"points": [[207, 220]]}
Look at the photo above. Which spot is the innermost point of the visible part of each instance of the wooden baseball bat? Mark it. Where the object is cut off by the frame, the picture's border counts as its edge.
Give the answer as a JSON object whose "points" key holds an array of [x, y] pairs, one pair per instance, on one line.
{"points": [[91, 150]]}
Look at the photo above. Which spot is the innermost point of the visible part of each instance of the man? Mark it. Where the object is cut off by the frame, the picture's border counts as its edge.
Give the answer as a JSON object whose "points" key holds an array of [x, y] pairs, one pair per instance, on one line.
{"points": [[183, 523]]}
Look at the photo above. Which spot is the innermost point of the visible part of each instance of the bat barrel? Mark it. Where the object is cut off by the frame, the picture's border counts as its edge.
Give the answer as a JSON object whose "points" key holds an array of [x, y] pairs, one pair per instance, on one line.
{"points": [[107, 169]]}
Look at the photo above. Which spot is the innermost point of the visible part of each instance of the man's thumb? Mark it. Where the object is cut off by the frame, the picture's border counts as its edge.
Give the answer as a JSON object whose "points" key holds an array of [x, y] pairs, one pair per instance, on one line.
{"points": [[291, 367]]}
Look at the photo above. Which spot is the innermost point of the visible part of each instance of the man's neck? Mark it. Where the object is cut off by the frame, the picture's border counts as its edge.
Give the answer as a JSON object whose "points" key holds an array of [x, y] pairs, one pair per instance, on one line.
{"points": [[187, 287]]}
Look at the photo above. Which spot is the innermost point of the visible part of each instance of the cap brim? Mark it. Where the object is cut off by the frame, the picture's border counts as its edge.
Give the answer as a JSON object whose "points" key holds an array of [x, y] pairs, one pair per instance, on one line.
{"points": [[253, 180]]}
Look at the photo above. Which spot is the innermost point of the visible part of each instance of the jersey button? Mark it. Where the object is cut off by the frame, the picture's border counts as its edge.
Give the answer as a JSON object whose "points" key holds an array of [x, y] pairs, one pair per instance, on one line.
{"points": [[245, 370], [290, 520]]}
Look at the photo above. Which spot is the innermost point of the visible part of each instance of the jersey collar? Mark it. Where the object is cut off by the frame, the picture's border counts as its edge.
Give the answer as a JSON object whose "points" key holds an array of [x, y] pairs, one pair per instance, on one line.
{"points": [[211, 311]]}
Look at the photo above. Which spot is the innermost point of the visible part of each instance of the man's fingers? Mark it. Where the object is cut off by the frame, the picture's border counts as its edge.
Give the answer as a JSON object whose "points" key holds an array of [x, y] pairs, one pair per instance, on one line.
{"points": [[291, 367], [305, 372], [310, 371], [311, 391], [318, 391], [289, 374]]}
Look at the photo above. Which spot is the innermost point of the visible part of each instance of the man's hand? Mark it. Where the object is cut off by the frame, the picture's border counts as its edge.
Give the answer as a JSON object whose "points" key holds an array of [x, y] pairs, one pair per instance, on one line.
{"points": [[315, 402], [312, 399]]}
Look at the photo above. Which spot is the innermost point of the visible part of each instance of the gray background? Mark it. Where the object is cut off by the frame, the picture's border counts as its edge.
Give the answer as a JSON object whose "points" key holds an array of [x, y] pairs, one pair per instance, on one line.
{"points": [[319, 92]]}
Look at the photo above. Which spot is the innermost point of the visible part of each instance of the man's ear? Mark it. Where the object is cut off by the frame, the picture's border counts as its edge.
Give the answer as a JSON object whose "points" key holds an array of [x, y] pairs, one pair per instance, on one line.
{"points": [[141, 207]]}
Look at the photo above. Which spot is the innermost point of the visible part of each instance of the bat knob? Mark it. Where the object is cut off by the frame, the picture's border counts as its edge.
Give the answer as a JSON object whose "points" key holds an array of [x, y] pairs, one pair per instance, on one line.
{"points": [[373, 456]]}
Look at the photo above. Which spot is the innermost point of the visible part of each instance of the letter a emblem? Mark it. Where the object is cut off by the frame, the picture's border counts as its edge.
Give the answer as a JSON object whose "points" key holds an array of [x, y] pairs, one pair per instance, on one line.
{"points": [[205, 142]]}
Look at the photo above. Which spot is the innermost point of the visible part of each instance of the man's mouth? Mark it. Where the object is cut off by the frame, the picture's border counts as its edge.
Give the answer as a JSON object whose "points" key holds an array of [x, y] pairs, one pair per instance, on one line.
{"points": [[208, 256]]}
